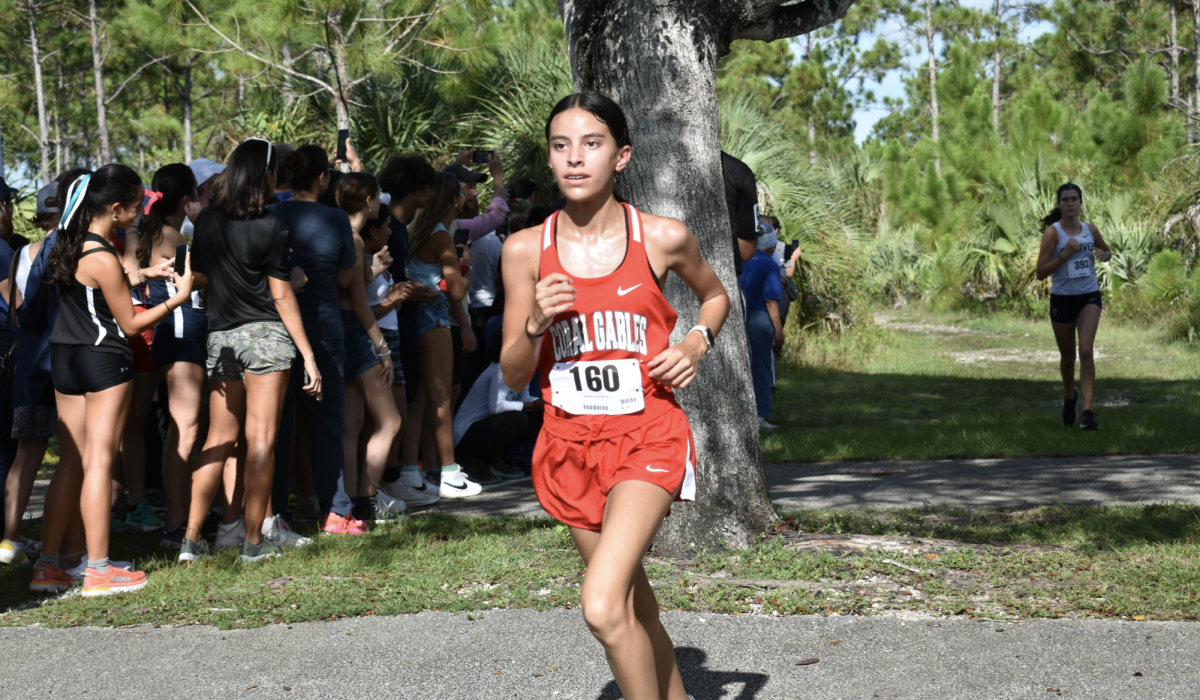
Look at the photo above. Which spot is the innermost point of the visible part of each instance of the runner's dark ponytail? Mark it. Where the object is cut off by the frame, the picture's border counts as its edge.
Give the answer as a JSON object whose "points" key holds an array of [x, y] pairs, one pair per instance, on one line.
{"points": [[1055, 214], [90, 196], [174, 181]]}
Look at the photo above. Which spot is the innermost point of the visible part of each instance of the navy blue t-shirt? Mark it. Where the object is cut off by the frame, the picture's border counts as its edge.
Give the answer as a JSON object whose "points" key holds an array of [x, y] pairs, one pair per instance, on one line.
{"points": [[6, 258], [760, 280], [321, 241]]}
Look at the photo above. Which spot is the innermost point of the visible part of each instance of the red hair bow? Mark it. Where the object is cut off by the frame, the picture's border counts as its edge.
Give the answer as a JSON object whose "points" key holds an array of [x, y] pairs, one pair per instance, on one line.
{"points": [[151, 198]]}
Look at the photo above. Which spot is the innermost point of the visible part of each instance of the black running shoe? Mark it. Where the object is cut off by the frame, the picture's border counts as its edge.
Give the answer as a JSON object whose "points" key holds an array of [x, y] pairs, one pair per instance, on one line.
{"points": [[1088, 421], [1069, 409]]}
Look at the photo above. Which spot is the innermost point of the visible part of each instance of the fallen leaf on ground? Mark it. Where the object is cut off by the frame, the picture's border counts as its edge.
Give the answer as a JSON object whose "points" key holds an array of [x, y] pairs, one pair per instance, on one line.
{"points": [[807, 662], [1139, 618]]}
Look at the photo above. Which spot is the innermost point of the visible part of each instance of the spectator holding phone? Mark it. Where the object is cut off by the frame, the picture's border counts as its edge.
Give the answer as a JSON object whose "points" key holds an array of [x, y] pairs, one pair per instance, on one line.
{"points": [[180, 344], [477, 224]]}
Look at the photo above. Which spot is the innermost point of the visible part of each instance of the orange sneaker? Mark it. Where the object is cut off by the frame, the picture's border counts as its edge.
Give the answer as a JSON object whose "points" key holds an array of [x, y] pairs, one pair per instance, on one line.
{"points": [[50, 579], [335, 524], [112, 581]]}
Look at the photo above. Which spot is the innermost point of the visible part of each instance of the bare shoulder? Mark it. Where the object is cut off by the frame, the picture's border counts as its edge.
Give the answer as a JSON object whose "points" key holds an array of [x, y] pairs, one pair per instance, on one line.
{"points": [[1050, 231], [1095, 229], [665, 233], [524, 245]]}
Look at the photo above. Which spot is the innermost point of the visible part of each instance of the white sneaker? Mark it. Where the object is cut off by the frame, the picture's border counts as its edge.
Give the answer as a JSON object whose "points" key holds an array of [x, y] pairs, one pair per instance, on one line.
{"points": [[402, 490], [764, 425], [12, 553], [455, 484], [276, 529], [230, 536], [387, 508], [76, 571]]}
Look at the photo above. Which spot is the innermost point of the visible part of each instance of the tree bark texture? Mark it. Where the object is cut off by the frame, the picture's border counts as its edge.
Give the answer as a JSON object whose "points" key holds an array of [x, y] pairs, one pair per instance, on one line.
{"points": [[98, 73], [996, 72], [1196, 92], [186, 98], [812, 127], [39, 88], [933, 103], [658, 60], [1176, 102]]}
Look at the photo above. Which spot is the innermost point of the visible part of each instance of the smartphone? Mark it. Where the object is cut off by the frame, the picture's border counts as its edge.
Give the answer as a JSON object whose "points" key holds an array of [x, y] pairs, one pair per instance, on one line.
{"points": [[343, 136], [481, 157], [181, 252], [462, 236]]}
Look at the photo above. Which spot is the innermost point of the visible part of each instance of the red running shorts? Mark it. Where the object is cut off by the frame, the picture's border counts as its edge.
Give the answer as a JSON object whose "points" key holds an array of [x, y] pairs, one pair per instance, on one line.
{"points": [[572, 479], [143, 359]]}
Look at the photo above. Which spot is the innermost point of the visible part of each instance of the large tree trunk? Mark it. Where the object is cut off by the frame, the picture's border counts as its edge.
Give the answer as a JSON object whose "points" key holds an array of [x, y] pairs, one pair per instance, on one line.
{"points": [[63, 146], [812, 127], [98, 73], [1176, 102], [1195, 116], [187, 111], [658, 60], [996, 73], [40, 90], [933, 103]]}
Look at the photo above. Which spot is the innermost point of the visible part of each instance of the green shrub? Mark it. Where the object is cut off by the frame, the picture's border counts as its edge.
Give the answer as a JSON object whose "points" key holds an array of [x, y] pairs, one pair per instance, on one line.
{"points": [[1165, 281]]}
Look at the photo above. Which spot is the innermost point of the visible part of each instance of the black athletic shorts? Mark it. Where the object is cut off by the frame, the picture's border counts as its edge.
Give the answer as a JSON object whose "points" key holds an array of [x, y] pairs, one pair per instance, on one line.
{"points": [[77, 369], [1065, 308]]}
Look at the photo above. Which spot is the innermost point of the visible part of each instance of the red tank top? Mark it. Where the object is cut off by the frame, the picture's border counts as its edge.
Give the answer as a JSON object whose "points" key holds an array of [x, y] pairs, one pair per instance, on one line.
{"points": [[620, 316]]}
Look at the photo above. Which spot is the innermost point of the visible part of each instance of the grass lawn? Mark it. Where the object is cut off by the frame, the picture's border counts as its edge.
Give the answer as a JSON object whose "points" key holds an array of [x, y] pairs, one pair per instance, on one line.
{"points": [[918, 385], [924, 385], [1131, 562]]}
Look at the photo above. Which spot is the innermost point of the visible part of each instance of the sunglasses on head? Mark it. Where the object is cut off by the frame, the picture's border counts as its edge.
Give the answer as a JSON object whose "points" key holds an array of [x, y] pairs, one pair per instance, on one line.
{"points": [[269, 147]]}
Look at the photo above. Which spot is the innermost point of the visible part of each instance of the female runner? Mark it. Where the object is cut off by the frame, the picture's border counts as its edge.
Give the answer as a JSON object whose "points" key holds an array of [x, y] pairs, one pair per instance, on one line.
{"points": [[584, 307], [179, 346], [92, 365], [366, 349], [1068, 257]]}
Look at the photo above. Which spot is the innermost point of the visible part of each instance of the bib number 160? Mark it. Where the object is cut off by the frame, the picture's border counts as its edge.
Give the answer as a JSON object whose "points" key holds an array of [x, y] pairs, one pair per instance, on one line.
{"points": [[604, 378], [598, 387]]}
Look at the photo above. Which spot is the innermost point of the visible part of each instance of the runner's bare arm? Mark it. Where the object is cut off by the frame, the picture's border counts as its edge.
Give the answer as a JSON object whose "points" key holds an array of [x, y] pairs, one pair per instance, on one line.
{"points": [[1047, 261], [529, 305], [104, 271], [1101, 245], [671, 246]]}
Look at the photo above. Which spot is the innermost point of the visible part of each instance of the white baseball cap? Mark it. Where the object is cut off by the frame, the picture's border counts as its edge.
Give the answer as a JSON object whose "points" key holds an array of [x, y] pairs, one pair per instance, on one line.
{"points": [[205, 169]]}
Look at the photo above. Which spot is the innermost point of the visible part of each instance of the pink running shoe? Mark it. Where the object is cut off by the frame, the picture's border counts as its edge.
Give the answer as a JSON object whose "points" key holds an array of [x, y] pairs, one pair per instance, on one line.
{"points": [[335, 524]]}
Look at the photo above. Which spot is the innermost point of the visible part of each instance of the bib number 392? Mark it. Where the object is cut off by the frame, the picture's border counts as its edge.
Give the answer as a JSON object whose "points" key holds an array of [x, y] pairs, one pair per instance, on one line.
{"points": [[612, 387]]}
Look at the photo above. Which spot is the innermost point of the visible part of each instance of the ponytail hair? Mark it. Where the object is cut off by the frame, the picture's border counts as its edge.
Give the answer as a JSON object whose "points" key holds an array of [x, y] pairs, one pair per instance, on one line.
{"points": [[353, 191], [242, 190], [1055, 214], [90, 196], [173, 182]]}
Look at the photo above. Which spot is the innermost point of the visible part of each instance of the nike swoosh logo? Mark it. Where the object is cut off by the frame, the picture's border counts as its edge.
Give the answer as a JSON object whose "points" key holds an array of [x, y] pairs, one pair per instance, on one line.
{"points": [[622, 292], [652, 469]]}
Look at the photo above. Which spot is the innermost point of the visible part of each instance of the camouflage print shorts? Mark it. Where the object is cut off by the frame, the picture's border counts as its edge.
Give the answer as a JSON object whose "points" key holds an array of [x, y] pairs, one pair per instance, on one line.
{"points": [[257, 348]]}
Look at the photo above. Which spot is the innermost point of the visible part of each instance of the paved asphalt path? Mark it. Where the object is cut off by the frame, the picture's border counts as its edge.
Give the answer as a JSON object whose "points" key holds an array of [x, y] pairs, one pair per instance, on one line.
{"points": [[965, 483], [527, 654]]}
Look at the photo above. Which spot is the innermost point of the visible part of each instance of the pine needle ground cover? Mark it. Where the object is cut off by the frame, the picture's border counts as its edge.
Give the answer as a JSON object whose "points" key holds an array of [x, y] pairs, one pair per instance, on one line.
{"points": [[1125, 562], [923, 385]]}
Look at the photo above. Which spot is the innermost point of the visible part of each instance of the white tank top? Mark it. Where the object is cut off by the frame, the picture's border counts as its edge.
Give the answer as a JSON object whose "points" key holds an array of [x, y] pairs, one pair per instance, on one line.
{"points": [[1078, 274], [24, 264], [377, 293]]}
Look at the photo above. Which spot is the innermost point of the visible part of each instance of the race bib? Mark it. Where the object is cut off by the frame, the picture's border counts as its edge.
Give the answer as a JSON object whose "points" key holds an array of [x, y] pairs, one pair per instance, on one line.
{"points": [[606, 387], [1080, 267]]}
